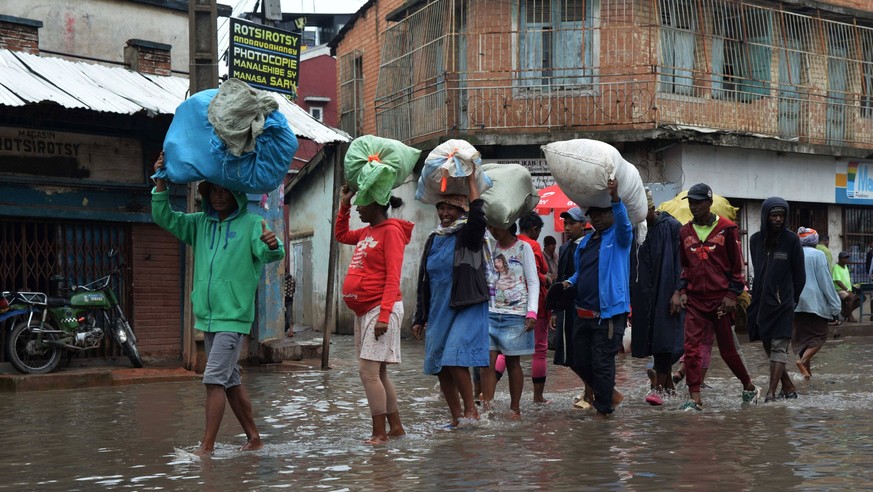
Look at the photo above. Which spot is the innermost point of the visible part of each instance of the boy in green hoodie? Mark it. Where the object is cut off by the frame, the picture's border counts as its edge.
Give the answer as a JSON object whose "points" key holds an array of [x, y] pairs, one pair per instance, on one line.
{"points": [[231, 247]]}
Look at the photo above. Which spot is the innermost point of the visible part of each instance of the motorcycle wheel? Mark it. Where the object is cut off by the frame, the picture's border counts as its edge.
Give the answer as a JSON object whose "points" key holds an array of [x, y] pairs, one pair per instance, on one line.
{"points": [[27, 353], [129, 346]]}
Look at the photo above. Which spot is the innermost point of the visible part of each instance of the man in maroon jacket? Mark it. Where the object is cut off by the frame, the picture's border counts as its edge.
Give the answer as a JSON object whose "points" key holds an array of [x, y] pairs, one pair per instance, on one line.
{"points": [[711, 280]]}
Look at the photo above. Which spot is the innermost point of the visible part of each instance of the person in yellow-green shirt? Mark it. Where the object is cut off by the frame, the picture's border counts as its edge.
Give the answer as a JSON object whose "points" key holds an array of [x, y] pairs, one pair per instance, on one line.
{"points": [[843, 284]]}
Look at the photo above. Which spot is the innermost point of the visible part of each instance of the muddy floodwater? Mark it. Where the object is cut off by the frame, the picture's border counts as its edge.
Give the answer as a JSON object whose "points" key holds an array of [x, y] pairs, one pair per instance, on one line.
{"points": [[314, 423]]}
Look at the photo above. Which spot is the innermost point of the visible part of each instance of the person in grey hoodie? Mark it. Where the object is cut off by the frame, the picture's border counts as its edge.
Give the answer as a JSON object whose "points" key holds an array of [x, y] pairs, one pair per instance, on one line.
{"points": [[778, 261]]}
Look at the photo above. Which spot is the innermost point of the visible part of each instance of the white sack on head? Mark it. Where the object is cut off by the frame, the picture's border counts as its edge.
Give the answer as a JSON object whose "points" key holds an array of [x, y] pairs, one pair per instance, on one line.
{"points": [[581, 168], [446, 169], [511, 196]]}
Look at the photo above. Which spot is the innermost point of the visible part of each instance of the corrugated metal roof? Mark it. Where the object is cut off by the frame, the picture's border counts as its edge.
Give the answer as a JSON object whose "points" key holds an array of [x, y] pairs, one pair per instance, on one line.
{"points": [[30, 79]]}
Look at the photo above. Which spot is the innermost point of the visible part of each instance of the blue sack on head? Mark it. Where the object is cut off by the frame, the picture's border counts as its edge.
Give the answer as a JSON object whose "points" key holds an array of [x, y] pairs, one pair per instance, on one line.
{"points": [[193, 151]]}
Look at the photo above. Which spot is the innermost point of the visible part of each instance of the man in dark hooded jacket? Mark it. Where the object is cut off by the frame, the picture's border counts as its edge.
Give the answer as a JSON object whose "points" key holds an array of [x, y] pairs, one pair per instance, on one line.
{"points": [[655, 270], [777, 259]]}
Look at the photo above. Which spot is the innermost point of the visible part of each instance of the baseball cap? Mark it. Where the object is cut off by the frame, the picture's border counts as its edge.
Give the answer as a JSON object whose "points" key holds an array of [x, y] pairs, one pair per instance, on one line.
{"points": [[700, 191], [844, 254], [574, 213]]}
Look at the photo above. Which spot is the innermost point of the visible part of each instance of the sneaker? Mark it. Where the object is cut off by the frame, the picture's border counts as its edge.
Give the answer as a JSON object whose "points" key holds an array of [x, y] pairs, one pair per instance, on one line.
{"points": [[691, 405], [751, 396], [654, 399]]}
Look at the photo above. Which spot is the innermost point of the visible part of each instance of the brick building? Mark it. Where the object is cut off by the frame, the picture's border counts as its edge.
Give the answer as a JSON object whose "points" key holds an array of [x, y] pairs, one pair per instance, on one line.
{"points": [[755, 97]]}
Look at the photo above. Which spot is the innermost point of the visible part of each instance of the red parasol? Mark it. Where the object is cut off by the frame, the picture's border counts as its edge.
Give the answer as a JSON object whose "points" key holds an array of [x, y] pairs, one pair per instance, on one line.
{"points": [[553, 199]]}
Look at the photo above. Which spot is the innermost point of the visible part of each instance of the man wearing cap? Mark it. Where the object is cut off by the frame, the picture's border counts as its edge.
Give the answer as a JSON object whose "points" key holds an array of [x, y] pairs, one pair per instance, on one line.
{"points": [[601, 283], [843, 284], [711, 280], [656, 330], [777, 258], [564, 317]]}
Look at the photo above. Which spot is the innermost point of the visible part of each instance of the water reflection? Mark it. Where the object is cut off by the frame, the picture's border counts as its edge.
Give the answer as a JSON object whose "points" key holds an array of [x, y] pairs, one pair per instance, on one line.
{"points": [[314, 424]]}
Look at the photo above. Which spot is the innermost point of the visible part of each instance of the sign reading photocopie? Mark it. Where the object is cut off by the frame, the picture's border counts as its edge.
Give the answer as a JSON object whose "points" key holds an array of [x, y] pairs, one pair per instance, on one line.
{"points": [[264, 57]]}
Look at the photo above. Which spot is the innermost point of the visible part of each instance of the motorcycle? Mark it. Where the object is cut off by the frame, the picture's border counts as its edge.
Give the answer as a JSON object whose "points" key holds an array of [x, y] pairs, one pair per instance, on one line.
{"points": [[44, 326]]}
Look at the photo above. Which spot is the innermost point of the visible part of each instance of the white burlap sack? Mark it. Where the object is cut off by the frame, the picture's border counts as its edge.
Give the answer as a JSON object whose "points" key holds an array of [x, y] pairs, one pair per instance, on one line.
{"points": [[581, 168], [454, 160], [511, 195]]}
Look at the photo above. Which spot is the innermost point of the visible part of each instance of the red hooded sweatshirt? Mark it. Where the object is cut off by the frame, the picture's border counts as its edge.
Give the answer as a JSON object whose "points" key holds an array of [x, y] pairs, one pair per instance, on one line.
{"points": [[373, 278], [542, 270], [711, 269]]}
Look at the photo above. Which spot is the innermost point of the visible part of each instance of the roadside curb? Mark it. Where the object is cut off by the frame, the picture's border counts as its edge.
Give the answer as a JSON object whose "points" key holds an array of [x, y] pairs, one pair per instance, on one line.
{"points": [[92, 378]]}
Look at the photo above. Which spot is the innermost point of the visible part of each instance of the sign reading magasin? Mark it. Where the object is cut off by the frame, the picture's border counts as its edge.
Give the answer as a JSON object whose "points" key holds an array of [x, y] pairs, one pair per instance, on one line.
{"points": [[264, 57], [29, 152]]}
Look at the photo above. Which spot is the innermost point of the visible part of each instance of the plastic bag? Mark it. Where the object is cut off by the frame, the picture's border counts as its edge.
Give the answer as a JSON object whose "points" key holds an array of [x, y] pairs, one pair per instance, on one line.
{"points": [[193, 151], [511, 195], [374, 166], [445, 170], [582, 167]]}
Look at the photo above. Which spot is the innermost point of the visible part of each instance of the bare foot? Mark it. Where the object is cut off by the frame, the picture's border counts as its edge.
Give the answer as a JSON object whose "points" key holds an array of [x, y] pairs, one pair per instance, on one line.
{"points": [[617, 398], [396, 432], [601, 416], [203, 453], [376, 440], [803, 370], [252, 445], [541, 400], [472, 414], [515, 415]]}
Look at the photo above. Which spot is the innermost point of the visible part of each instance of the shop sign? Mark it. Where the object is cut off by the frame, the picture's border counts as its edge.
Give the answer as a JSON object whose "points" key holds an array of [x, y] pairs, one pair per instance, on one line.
{"points": [[28, 152], [539, 170], [854, 182], [264, 57]]}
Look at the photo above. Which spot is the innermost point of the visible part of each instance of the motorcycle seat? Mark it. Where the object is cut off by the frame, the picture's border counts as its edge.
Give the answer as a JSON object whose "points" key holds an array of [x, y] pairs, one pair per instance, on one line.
{"points": [[57, 301]]}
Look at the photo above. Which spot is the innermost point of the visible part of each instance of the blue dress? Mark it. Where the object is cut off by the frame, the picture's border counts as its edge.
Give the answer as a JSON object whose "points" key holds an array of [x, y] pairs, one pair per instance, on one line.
{"points": [[455, 337]]}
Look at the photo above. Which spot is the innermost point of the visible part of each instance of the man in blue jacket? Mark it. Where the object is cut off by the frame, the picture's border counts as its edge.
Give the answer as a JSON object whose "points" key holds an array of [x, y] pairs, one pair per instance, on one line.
{"points": [[602, 298]]}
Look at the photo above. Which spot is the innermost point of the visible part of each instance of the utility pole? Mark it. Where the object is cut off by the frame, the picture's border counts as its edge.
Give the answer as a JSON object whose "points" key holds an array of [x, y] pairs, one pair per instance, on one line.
{"points": [[203, 74]]}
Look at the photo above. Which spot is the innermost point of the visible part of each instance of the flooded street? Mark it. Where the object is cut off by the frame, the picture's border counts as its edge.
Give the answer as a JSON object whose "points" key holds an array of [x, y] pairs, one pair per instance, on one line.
{"points": [[314, 423]]}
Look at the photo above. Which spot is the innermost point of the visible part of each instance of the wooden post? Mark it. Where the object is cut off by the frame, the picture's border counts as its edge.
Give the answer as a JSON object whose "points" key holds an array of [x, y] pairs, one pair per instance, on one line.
{"points": [[337, 156], [203, 62]]}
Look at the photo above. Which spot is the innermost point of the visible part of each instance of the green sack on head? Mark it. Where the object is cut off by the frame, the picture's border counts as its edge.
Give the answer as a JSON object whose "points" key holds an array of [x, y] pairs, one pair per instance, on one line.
{"points": [[374, 166]]}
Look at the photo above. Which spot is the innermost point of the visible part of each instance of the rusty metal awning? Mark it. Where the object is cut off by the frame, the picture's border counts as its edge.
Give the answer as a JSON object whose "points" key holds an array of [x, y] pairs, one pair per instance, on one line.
{"points": [[31, 79]]}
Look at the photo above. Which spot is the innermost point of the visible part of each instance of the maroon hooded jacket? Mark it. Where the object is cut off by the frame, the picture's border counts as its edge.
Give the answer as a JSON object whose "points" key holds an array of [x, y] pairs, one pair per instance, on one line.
{"points": [[712, 269]]}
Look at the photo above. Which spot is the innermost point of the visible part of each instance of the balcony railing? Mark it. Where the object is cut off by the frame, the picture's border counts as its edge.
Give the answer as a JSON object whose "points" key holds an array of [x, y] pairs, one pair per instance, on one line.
{"points": [[465, 67]]}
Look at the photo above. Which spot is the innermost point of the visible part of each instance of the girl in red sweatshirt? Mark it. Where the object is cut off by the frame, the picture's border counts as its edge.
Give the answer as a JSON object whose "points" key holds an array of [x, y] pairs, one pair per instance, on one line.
{"points": [[372, 290]]}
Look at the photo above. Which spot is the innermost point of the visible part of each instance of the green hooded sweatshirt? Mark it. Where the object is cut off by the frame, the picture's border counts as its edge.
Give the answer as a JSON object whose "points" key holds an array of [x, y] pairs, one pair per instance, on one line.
{"points": [[228, 261]]}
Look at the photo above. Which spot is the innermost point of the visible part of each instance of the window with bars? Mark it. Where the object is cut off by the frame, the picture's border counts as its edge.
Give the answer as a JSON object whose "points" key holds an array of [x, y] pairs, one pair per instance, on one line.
{"points": [[867, 75], [741, 51], [352, 93], [557, 43], [678, 43]]}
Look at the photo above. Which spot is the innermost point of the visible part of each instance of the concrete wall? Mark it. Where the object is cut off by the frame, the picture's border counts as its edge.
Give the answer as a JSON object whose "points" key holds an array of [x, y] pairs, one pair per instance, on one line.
{"points": [[101, 28], [746, 173]]}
